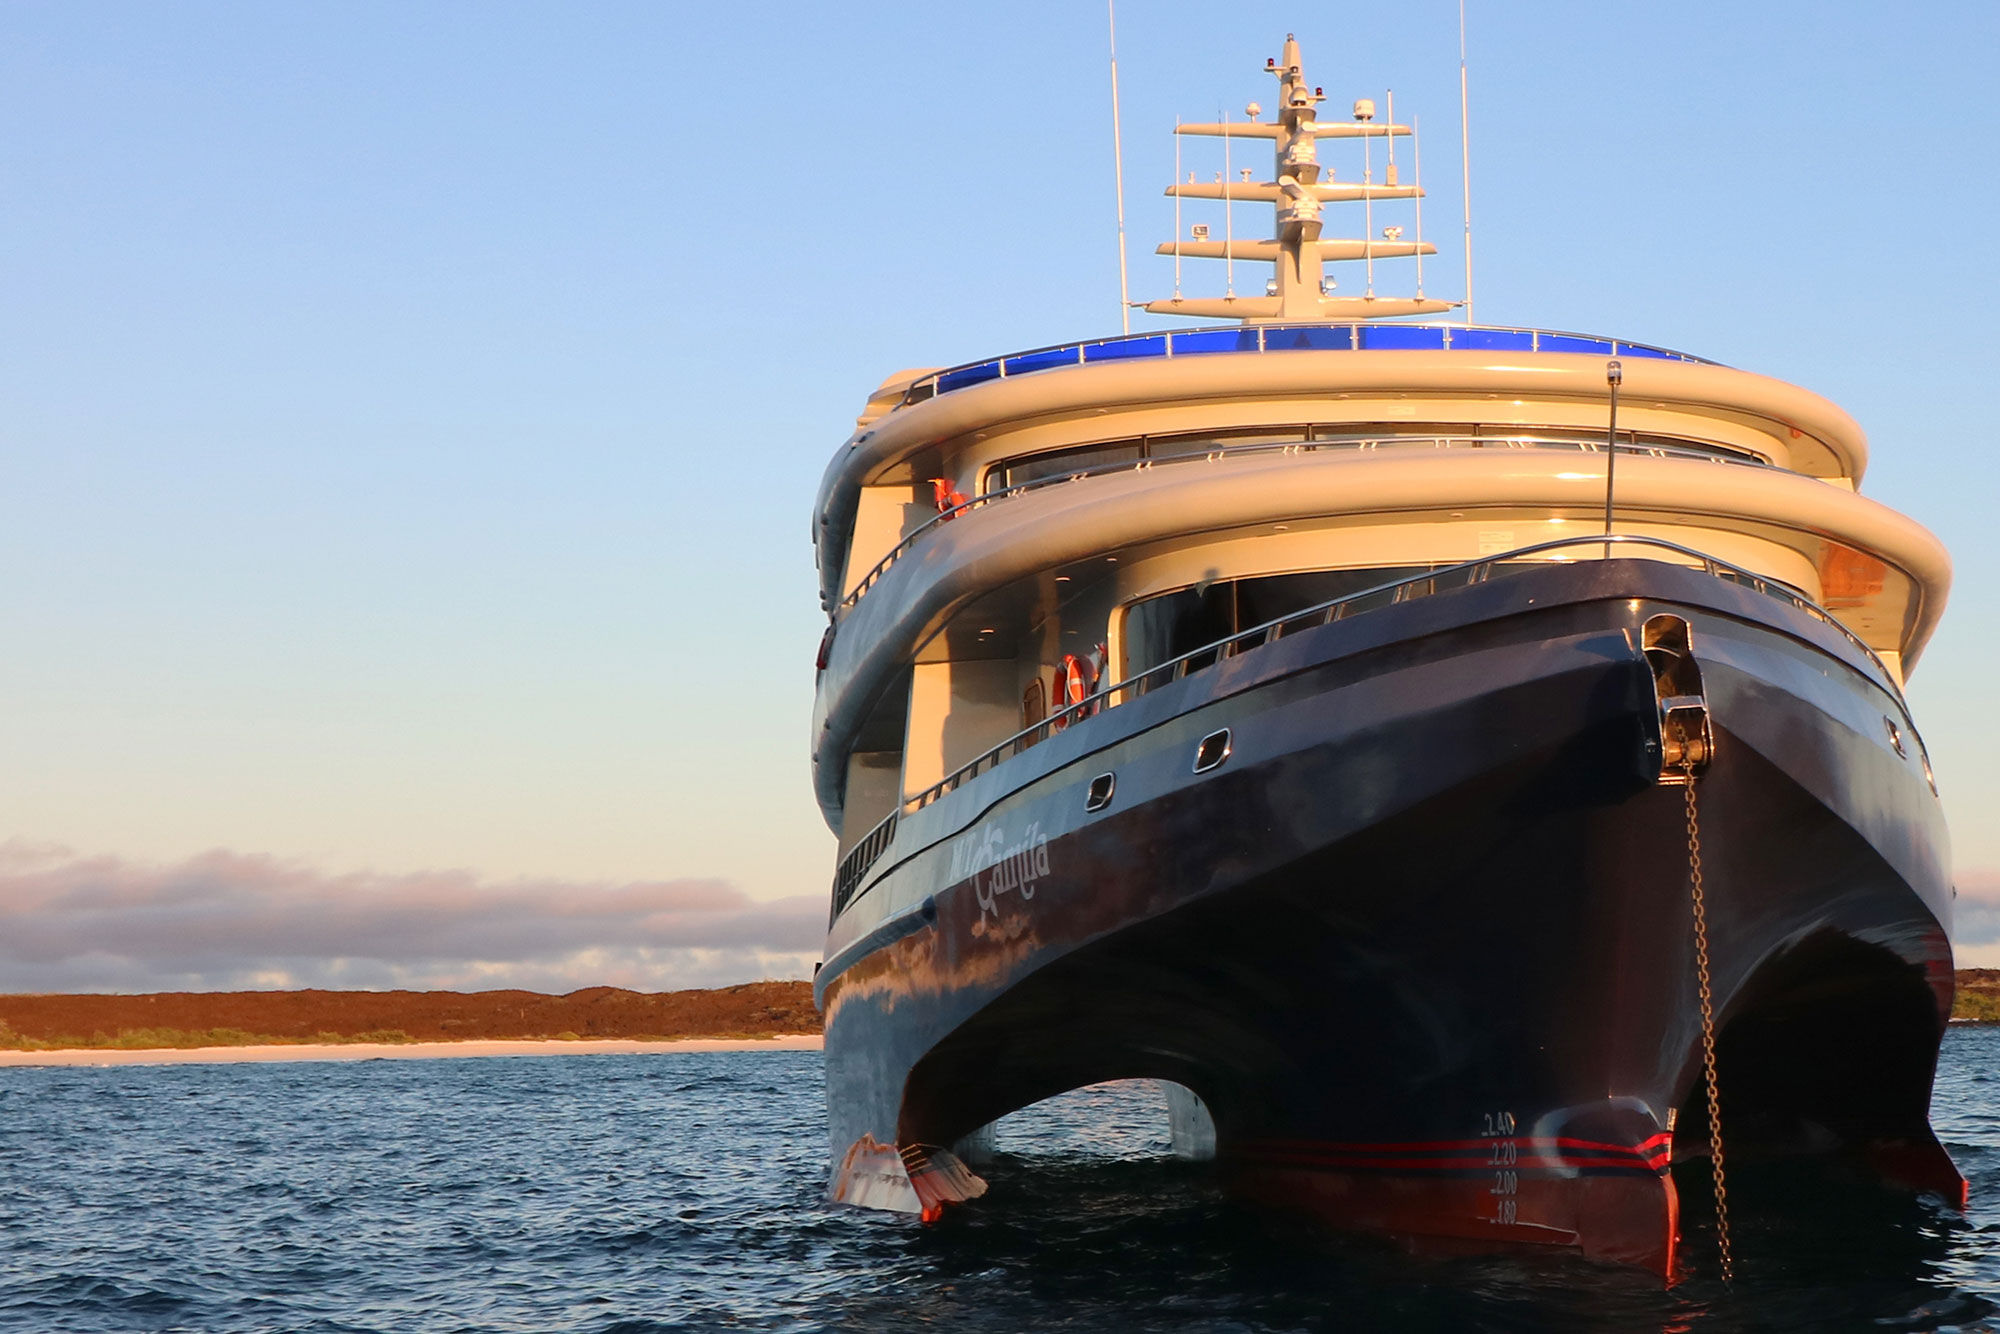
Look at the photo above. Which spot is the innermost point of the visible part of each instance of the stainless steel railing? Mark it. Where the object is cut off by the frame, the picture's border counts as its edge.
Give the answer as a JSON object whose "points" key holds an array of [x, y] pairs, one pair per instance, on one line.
{"points": [[1281, 338], [847, 877], [1401, 590], [1357, 443], [855, 865]]}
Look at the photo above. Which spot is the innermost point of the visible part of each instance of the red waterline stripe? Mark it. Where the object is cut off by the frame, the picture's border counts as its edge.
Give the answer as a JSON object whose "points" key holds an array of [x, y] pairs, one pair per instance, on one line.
{"points": [[1459, 1161], [1570, 1154], [1467, 1165], [1643, 1149]]}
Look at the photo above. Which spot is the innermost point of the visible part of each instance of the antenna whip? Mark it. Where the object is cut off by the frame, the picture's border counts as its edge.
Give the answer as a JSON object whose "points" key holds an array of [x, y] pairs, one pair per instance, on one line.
{"points": [[1465, 158], [1118, 158]]}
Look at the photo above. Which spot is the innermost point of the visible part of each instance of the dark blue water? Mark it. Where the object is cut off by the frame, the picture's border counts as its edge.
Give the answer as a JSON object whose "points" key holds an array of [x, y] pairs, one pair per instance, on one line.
{"points": [[682, 1192]]}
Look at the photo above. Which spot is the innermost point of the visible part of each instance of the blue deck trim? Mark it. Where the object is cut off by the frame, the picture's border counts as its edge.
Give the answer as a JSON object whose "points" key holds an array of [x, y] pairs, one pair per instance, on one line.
{"points": [[1049, 360], [1590, 347], [1124, 349], [1315, 338], [1493, 340], [1286, 338], [1422, 337], [1192, 342], [962, 377]]}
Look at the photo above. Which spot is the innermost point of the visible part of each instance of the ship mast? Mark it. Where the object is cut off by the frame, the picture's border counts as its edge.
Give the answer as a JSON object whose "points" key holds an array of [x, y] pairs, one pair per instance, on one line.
{"points": [[1298, 251]]}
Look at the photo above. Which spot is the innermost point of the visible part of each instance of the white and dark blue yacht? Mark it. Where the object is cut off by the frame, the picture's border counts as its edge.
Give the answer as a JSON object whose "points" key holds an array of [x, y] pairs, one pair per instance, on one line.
{"points": [[1452, 757]]}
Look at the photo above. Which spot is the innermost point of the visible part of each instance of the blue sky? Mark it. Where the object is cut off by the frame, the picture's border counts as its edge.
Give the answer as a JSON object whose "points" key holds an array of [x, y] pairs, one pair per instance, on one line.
{"points": [[412, 412]]}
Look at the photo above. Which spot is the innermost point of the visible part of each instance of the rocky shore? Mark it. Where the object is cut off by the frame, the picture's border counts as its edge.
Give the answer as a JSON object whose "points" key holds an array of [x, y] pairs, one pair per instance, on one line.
{"points": [[752, 1011], [274, 1018], [1978, 996]]}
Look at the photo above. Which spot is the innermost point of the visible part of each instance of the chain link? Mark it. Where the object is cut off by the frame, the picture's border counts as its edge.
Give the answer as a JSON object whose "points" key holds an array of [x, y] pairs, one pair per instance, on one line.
{"points": [[1707, 1023]]}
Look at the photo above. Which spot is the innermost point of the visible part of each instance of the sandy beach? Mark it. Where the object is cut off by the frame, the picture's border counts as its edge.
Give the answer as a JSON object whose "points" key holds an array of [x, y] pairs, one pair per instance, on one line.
{"points": [[400, 1051]]}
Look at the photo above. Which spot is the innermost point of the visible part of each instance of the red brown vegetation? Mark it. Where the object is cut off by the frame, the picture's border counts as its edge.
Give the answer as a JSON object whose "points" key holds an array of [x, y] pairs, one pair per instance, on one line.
{"points": [[178, 1019], [1978, 995]]}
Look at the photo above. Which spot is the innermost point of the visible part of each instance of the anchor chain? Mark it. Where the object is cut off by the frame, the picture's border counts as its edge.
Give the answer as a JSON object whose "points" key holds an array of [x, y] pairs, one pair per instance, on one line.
{"points": [[1697, 893]]}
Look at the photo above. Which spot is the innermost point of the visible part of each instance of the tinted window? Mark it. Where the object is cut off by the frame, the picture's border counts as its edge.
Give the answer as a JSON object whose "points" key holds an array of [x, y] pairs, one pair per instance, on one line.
{"points": [[1037, 466], [1165, 627]]}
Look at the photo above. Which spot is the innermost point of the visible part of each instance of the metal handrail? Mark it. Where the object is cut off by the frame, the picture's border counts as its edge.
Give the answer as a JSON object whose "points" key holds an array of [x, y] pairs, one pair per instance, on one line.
{"points": [[1526, 440], [1337, 335], [847, 876], [1473, 572]]}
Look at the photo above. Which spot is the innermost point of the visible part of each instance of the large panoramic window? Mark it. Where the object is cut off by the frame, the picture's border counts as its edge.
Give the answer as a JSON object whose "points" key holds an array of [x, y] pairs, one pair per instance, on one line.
{"points": [[1062, 462], [1400, 435], [1168, 625], [1059, 464]]}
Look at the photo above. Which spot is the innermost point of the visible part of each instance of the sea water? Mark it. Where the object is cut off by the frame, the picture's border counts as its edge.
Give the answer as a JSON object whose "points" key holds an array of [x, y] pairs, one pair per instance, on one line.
{"points": [[684, 1192]]}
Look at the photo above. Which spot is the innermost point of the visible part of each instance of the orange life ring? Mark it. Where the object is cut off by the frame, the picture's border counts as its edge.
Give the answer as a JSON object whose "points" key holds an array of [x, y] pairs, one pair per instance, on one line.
{"points": [[1072, 686], [1079, 680], [948, 497]]}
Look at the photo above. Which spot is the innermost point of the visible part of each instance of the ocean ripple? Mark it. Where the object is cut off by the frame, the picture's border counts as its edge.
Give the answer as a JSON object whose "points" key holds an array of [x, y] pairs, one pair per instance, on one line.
{"points": [[620, 1194]]}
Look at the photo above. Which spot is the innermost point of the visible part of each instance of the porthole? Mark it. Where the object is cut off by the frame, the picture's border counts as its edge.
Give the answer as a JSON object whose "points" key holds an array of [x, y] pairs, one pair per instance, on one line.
{"points": [[1099, 795], [1895, 736], [1213, 750]]}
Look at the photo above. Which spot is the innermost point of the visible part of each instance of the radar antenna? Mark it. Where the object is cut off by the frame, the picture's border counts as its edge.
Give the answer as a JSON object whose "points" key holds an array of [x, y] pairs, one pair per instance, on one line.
{"points": [[1298, 251]]}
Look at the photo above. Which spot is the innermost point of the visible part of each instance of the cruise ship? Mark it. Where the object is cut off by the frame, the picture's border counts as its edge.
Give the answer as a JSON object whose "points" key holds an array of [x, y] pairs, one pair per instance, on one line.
{"points": [[1468, 765]]}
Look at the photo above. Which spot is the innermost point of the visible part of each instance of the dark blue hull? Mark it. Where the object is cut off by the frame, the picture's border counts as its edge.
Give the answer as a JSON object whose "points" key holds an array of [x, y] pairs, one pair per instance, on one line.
{"points": [[1422, 942]]}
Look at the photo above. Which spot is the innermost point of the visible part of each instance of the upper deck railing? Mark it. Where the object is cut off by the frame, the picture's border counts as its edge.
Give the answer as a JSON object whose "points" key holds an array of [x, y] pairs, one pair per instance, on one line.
{"points": [[1514, 440], [853, 867], [1282, 338]]}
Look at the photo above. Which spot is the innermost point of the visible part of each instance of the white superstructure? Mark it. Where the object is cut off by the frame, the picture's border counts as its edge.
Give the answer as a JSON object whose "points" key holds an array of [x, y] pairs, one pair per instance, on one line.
{"points": [[993, 534]]}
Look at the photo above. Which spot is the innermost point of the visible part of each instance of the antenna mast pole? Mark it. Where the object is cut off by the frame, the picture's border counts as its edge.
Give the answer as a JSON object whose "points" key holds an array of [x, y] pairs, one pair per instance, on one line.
{"points": [[1118, 158], [1177, 209], [1228, 212], [1614, 375], [1465, 158], [1417, 167]]}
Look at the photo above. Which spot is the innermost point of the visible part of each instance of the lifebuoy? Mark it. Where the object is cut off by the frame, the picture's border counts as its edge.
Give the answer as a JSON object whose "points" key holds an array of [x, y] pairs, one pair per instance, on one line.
{"points": [[1078, 676], [948, 497], [1074, 678]]}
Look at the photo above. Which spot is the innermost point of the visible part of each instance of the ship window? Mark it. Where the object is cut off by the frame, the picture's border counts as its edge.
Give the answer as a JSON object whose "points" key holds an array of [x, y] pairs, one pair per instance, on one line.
{"points": [[1063, 462], [1099, 794], [1207, 442], [1161, 628], [1422, 435], [1037, 466], [1034, 703]]}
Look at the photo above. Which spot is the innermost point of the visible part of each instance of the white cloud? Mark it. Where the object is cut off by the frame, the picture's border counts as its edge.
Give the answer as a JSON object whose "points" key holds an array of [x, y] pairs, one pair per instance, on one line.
{"points": [[1975, 924], [225, 921]]}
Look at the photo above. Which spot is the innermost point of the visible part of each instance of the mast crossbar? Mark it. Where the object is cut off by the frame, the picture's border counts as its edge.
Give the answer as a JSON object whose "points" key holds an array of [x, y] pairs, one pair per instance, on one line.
{"points": [[1299, 290]]}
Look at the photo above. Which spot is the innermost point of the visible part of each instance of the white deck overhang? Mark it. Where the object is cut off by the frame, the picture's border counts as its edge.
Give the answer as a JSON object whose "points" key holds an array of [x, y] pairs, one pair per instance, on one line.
{"points": [[1807, 433], [990, 547]]}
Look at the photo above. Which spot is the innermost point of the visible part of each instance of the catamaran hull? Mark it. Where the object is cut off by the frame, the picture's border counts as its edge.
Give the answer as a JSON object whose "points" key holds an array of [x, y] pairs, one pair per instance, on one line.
{"points": [[1422, 942]]}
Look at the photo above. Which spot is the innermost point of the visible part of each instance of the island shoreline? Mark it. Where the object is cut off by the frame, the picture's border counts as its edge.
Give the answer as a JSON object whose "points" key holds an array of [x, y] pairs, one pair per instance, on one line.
{"points": [[265, 1027], [276, 1053]]}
